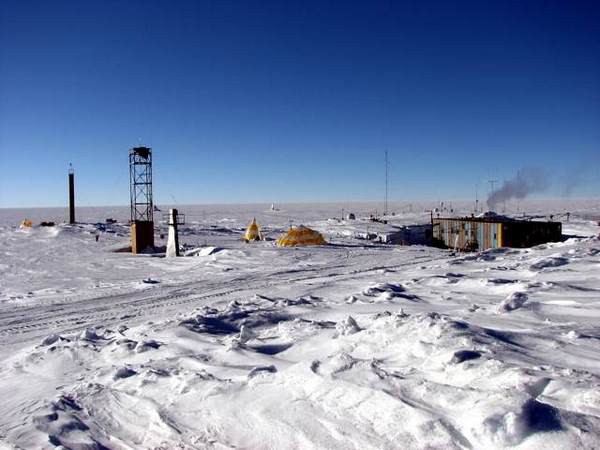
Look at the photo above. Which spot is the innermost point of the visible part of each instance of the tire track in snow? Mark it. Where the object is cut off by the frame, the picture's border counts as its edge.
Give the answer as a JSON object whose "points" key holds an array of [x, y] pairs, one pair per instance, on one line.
{"points": [[24, 326]]}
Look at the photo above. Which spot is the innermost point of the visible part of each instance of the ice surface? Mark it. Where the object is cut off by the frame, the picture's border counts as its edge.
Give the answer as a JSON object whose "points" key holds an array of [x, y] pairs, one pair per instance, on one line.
{"points": [[351, 345]]}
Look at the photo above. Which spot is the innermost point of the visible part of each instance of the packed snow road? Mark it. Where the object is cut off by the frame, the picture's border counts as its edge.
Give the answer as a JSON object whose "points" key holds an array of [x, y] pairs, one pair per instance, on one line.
{"points": [[339, 346], [157, 300]]}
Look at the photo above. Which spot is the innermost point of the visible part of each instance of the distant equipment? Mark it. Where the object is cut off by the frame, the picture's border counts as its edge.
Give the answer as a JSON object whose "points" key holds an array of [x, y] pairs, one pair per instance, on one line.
{"points": [[71, 194], [140, 192]]}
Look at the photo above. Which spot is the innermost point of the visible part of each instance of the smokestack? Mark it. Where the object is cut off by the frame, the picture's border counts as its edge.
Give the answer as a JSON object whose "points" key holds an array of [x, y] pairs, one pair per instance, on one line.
{"points": [[71, 195]]}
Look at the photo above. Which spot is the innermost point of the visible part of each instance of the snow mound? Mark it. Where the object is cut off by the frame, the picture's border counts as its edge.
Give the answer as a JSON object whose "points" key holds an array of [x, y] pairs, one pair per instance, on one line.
{"points": [[52, 339], [348, 326], [90, 334], [464, 355], [124, 372], [549, 262], [253, 314], [144, 346], [513, 425], [262, 370], [64, 426], [150, 281], [514, 301], [383, 288], [203, 251]]}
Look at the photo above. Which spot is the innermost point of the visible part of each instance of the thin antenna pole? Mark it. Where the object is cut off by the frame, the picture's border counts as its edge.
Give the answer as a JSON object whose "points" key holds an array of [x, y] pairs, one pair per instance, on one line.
{"points": [[385, 204]]}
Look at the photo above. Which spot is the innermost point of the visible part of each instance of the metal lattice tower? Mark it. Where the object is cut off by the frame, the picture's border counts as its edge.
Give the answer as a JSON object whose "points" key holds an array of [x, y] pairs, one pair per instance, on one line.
{"points": [[140, 184]]}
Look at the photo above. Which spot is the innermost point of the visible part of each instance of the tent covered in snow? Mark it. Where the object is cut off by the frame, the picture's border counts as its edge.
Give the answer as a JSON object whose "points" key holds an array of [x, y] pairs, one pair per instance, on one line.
{"points": [[300, 236], [26, 223], [253, 232]]}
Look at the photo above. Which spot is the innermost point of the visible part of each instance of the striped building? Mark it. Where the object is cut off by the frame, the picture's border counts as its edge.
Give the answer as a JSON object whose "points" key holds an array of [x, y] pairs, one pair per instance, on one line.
{"points": [[482, 233]]}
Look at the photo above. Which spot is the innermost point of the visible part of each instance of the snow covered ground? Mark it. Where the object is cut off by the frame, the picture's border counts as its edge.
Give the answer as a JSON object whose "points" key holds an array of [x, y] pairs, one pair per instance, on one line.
{"points": [[349, 345]]}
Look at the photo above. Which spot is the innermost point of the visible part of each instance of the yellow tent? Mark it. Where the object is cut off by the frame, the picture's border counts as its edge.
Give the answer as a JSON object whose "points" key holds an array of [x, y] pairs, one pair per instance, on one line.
{"points": [[26, 224], [300, 236], [253, 232]]}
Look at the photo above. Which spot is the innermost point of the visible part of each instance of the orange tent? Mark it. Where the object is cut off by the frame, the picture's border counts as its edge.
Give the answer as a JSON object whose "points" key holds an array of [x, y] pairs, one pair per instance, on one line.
{"points": [[300, 236], [253, 232]]}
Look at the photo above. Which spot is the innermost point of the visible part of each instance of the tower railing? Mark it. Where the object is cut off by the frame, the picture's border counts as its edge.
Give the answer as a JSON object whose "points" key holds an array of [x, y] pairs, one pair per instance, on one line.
{"points": [[140, 189]]}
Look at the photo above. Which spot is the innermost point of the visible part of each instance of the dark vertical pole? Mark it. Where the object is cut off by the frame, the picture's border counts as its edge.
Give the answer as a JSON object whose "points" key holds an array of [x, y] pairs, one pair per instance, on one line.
{"points": [[71, 196], [385, 203], [175, 220]]}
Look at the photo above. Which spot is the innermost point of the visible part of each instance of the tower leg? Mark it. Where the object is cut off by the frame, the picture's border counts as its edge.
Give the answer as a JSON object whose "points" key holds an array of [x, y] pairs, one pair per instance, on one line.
{"points": [[142, 236]]}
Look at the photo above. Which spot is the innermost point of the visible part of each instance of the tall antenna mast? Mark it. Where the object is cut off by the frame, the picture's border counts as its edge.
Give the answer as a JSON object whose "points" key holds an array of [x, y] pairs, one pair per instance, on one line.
{"points": [[492, 182], [385, 203]]}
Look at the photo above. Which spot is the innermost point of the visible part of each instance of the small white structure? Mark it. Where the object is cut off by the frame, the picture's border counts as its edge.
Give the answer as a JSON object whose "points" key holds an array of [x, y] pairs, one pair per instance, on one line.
{"points": [[173, 240]]}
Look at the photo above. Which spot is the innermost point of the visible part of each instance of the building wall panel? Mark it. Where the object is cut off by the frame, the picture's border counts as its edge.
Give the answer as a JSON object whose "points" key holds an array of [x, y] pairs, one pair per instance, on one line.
{"points": [[470, 233]]}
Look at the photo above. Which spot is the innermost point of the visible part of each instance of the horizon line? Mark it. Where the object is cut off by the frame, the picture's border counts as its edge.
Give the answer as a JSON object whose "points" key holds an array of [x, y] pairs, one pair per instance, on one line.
{"points": [[307, 202]]}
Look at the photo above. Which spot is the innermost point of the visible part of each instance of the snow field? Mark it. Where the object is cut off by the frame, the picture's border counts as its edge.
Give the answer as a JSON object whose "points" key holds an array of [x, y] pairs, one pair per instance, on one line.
{"points": [[250, 346]]}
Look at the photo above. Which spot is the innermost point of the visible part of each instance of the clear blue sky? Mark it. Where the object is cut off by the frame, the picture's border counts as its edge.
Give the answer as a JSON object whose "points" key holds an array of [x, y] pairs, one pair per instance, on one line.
{"points": [[288, 101]]}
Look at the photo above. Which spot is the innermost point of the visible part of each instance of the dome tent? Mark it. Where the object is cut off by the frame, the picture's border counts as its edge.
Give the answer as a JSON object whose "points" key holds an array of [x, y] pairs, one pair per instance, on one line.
{"points": [[300, 235], [253, 232]]}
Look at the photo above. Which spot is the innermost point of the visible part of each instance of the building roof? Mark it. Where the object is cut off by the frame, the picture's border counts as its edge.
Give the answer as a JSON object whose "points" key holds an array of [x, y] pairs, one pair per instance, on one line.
{"points": [[492, 219]]}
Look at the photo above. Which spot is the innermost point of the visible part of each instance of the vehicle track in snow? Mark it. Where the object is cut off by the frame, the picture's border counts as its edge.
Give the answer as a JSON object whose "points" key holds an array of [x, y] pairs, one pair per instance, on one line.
{"points": [[23, 325]]}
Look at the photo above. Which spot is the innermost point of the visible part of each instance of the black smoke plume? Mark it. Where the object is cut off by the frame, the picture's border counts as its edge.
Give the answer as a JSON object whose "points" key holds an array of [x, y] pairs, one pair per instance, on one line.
{"points": [[527, 181]]}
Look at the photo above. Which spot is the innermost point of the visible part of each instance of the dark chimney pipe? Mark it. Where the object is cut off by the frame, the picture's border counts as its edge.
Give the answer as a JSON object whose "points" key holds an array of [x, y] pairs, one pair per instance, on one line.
{"points": [[71, 195]]}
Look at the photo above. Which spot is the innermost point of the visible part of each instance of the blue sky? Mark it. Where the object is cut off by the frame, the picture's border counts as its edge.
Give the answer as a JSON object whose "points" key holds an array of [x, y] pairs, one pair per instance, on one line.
{"points": [[261, 101]]}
